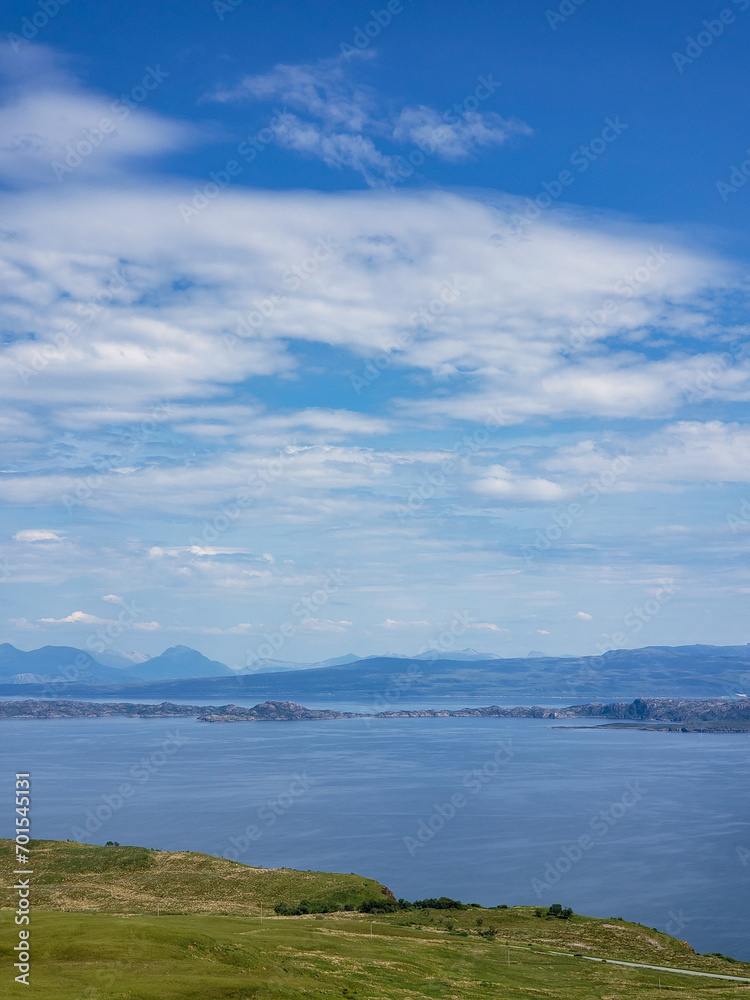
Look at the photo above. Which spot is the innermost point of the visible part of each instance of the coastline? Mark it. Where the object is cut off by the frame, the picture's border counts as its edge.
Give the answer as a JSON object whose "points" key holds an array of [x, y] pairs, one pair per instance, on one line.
{"points": [[660, 715]]}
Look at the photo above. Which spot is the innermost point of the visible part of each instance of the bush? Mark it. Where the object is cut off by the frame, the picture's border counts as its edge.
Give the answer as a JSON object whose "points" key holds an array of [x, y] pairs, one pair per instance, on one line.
{"points": [[383, 905], [310, 906], [441, 903], [556, 910]]}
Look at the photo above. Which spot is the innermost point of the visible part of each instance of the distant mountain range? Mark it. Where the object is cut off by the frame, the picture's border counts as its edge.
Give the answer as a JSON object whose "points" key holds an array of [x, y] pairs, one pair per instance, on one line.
{"points": [[277, 666], [177, 663], [59, 664], [180, 672]]}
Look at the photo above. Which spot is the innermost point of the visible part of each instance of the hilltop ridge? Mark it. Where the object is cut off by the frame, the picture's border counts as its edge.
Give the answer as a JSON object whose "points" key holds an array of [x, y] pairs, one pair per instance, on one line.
{"points": [[163, 925]]}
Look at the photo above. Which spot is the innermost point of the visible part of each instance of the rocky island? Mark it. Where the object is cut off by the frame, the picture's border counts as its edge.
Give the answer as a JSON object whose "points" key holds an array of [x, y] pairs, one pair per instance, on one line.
{"points": [[660, 714]]}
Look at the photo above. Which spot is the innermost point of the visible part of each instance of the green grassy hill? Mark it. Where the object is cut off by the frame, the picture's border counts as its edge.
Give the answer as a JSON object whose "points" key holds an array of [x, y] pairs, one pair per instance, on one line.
{"points": [[71, 876], [210, 943]]}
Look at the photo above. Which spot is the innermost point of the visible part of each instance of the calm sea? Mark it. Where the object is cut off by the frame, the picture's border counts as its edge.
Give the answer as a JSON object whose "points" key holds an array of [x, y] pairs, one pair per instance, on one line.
{"points": [[652, 827]]}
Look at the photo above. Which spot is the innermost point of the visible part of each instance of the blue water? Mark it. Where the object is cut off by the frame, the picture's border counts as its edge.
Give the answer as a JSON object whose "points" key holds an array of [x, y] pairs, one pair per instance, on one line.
{"points": [[648, 826]]}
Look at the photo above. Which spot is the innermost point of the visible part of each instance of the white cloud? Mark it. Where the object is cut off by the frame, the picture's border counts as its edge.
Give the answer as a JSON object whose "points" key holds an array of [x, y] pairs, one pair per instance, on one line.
{"points": [[676, 456], [324, 625], [78, 618], [145, 311], [37, 535], [542, 631], [458, 138], [324, 89], [583, 616], [503, 484], [134, 343], [23, 624], [396, 623], [56, 131], [113, 599], [344, 118]]}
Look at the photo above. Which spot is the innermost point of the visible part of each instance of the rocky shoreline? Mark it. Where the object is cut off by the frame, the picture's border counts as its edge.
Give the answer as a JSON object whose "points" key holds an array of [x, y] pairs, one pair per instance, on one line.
{"points": [[661, 714]]}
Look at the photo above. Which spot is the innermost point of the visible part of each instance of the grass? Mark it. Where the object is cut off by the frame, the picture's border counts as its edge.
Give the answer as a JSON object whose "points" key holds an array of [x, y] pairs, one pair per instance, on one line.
{"points": [[120, 952], [72, 876]]}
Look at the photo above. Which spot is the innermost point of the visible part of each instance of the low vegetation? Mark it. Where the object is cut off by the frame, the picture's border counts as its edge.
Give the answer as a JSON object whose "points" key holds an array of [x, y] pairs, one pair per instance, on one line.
{"points": [[71, 876], [209, 941]]}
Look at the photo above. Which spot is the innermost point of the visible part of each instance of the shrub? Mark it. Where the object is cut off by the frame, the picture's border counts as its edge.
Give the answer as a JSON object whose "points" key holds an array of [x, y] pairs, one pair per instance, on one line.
{"points": [[441, 903], [383, 905]]}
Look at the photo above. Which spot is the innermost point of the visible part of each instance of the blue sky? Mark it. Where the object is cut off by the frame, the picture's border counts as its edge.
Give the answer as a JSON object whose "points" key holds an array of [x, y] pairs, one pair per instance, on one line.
{"points": [[334, 328]]}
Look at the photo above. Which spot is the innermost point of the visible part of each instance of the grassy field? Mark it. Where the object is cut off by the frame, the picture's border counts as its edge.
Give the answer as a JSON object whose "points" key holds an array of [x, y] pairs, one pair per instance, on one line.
{"points": [[216, 949], [71, 876]]}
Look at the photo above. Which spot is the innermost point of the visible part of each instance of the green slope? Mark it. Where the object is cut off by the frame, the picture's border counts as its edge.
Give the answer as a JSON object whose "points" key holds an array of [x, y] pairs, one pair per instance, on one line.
{"points": [[225, 951], [72, 876]]}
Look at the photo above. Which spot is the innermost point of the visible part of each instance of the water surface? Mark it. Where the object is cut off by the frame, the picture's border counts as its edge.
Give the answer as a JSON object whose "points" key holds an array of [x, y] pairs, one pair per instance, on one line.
{"points": [[648, 826]]}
